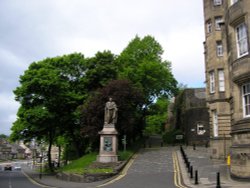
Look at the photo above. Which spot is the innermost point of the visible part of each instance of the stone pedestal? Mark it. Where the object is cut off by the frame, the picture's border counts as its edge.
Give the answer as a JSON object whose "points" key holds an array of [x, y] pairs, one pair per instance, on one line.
{"points": [[108, 144]]}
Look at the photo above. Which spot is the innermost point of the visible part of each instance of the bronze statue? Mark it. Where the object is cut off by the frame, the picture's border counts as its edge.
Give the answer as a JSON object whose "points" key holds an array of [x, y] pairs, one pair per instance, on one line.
{"points": [[110, 112]]}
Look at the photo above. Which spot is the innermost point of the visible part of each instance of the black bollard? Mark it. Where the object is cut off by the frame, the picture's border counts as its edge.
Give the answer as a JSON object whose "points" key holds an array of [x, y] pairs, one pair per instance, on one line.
{"points": [[188, 166], [161, 144], [196, 178], [194, 147], [186, 159], [218, 180], [191, 172]]}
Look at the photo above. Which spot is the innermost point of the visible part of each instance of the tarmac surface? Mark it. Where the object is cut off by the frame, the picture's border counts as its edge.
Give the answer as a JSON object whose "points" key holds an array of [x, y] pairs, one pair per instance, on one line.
{"points": [[199, 158], [207, 170]]}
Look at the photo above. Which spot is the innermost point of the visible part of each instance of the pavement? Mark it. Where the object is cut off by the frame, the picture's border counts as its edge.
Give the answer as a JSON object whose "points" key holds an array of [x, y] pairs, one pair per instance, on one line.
{"points": [[207, 170], [50, 181], [199, 158]]}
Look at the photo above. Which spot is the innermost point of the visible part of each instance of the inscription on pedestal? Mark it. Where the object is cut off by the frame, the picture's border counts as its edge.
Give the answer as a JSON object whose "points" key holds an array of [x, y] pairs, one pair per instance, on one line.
{"points": [[108, 144]]}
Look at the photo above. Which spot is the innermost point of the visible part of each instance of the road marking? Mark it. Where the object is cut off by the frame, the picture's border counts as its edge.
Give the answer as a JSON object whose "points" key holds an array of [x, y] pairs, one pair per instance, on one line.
{"points": [[35, 182], [10, 185], [177, 174], [123, 172]]}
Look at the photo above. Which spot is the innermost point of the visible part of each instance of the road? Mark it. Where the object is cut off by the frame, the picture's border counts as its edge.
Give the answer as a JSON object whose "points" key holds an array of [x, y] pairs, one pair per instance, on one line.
{"points": [[14, 178], [151, 168]]}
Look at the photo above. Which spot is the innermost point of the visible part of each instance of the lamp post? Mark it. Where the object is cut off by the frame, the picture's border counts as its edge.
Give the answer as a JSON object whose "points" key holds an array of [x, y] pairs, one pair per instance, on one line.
{"points": [[41, 166]]}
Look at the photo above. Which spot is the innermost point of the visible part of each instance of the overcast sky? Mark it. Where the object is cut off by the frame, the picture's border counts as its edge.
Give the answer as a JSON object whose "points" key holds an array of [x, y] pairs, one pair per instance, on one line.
{"points": [[32, 30]]}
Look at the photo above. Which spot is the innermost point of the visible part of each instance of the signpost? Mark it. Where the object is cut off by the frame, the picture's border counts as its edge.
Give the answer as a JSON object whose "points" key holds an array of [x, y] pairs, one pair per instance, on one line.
{"points": [[124, 142], [179, 137]]}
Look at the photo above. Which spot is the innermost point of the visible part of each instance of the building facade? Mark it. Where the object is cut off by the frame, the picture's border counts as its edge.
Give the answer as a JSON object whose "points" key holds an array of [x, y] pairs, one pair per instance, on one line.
{"points": [[188, 113], [227, 64]]}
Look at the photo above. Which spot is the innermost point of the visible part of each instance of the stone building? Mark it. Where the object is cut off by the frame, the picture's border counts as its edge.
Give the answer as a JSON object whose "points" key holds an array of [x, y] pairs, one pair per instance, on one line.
{"points": [[227, 64], [190, 115]]}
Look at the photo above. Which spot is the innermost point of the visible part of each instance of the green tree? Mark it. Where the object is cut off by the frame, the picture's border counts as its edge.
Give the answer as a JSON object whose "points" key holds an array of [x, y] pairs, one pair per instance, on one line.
{"points": [[157, 116], [128, 99], [49, 94], [141, 63], [100, 70]]}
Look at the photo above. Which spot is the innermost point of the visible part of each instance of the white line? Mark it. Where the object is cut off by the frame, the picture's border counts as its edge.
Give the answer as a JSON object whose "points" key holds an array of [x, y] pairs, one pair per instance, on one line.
{"points": [[35, 182], [122, 174]]}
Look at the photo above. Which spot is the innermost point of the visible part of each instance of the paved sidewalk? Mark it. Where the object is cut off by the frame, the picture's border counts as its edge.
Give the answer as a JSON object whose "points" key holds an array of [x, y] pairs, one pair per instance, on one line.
{"points": [[207, 170], [50, 181]]}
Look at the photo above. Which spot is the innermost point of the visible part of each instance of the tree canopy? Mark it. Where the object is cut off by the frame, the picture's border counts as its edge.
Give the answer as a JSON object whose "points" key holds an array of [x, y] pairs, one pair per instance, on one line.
{"points": [[64, 96], [141, 63]]}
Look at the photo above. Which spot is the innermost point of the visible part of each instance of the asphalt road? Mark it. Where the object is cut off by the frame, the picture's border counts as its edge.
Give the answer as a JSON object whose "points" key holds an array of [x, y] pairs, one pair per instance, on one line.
{"points": [[14, 178], [151, 168]]}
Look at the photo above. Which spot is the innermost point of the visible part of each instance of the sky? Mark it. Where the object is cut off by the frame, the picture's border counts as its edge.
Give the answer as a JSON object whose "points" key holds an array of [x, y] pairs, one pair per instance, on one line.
{"points": [[32, 30]]}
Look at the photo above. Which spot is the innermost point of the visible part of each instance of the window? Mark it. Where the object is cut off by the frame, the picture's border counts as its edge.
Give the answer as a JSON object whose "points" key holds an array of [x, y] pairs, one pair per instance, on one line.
{"points": [[246, 99], [221, 80], [209, 26], [212, 82], [200, 129], [219, 48], [233, 1], [217, 2], [215, 123], [241, 39], [218, 21]]}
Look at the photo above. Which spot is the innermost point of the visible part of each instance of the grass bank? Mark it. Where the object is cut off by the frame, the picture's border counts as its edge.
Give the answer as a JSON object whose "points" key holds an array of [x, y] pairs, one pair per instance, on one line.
{"points": [[82, 164]]}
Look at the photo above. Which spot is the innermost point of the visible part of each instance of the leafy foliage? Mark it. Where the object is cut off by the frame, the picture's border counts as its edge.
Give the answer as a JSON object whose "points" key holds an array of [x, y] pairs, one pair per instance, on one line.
{"points": [[62, 98], [49, 94], [129, 101], [156, 118], [141, 63]]}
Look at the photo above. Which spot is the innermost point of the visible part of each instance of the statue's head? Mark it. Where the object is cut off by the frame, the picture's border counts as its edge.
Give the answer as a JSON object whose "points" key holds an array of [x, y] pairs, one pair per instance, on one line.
{"points": [[110, 99]]}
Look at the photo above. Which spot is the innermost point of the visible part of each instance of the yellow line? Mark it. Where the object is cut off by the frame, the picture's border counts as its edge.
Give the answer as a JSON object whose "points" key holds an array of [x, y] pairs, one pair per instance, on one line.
{"points": [[122, 174], [35, 182], [177, 174]]}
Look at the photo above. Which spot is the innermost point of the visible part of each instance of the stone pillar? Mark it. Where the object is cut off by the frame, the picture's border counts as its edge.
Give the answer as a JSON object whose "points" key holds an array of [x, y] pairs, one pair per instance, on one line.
{"points": [[108, 145]]}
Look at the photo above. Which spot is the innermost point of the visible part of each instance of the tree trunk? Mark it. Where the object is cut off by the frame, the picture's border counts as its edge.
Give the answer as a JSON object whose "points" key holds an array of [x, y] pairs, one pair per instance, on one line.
{"points": [[51, 166]]}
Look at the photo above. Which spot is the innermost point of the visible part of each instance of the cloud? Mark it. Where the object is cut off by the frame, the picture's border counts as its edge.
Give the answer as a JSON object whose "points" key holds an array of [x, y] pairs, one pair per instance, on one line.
{"points": [[186, 54], [8, 109], [34, 30]]}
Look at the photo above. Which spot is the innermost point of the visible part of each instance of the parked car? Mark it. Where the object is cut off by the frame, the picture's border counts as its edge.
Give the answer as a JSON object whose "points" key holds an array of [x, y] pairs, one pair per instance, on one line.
{"points": [[8, 167], [17, 168]]}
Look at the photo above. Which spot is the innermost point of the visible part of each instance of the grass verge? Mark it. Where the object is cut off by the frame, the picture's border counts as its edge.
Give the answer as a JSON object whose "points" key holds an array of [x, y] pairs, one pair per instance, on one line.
{"points": [[81, 165]]}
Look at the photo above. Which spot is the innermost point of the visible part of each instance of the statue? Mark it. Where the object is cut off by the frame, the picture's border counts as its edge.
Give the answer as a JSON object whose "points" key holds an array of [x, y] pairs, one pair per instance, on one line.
{"points": [[110, 116], [108, 135]]}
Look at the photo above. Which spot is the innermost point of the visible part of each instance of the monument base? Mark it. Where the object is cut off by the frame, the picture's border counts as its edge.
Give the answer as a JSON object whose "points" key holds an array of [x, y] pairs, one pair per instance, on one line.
{"points": [[107, 158], [108, 144]]}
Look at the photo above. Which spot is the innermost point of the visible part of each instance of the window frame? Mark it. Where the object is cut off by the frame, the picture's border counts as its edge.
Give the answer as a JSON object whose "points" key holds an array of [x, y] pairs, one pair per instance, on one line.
{"points": [[209, 26], [233, 2], [219, 49], [217, 2], [221, 80], [212, 82], [215, 123], [217, 22], [246, 100], [200, 129], [241, 40]]}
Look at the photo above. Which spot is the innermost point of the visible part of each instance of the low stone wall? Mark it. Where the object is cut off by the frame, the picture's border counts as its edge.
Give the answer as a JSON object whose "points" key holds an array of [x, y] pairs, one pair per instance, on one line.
{"points": [[89, 177]]}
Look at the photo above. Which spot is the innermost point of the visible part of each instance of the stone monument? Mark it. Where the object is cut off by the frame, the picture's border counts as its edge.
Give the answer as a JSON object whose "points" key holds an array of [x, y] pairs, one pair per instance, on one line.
{"points": [[108, 135]]}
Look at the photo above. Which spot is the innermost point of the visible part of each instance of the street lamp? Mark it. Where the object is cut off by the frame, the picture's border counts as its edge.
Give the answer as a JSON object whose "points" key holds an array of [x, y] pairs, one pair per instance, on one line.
{"points": [[41, 166]]}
